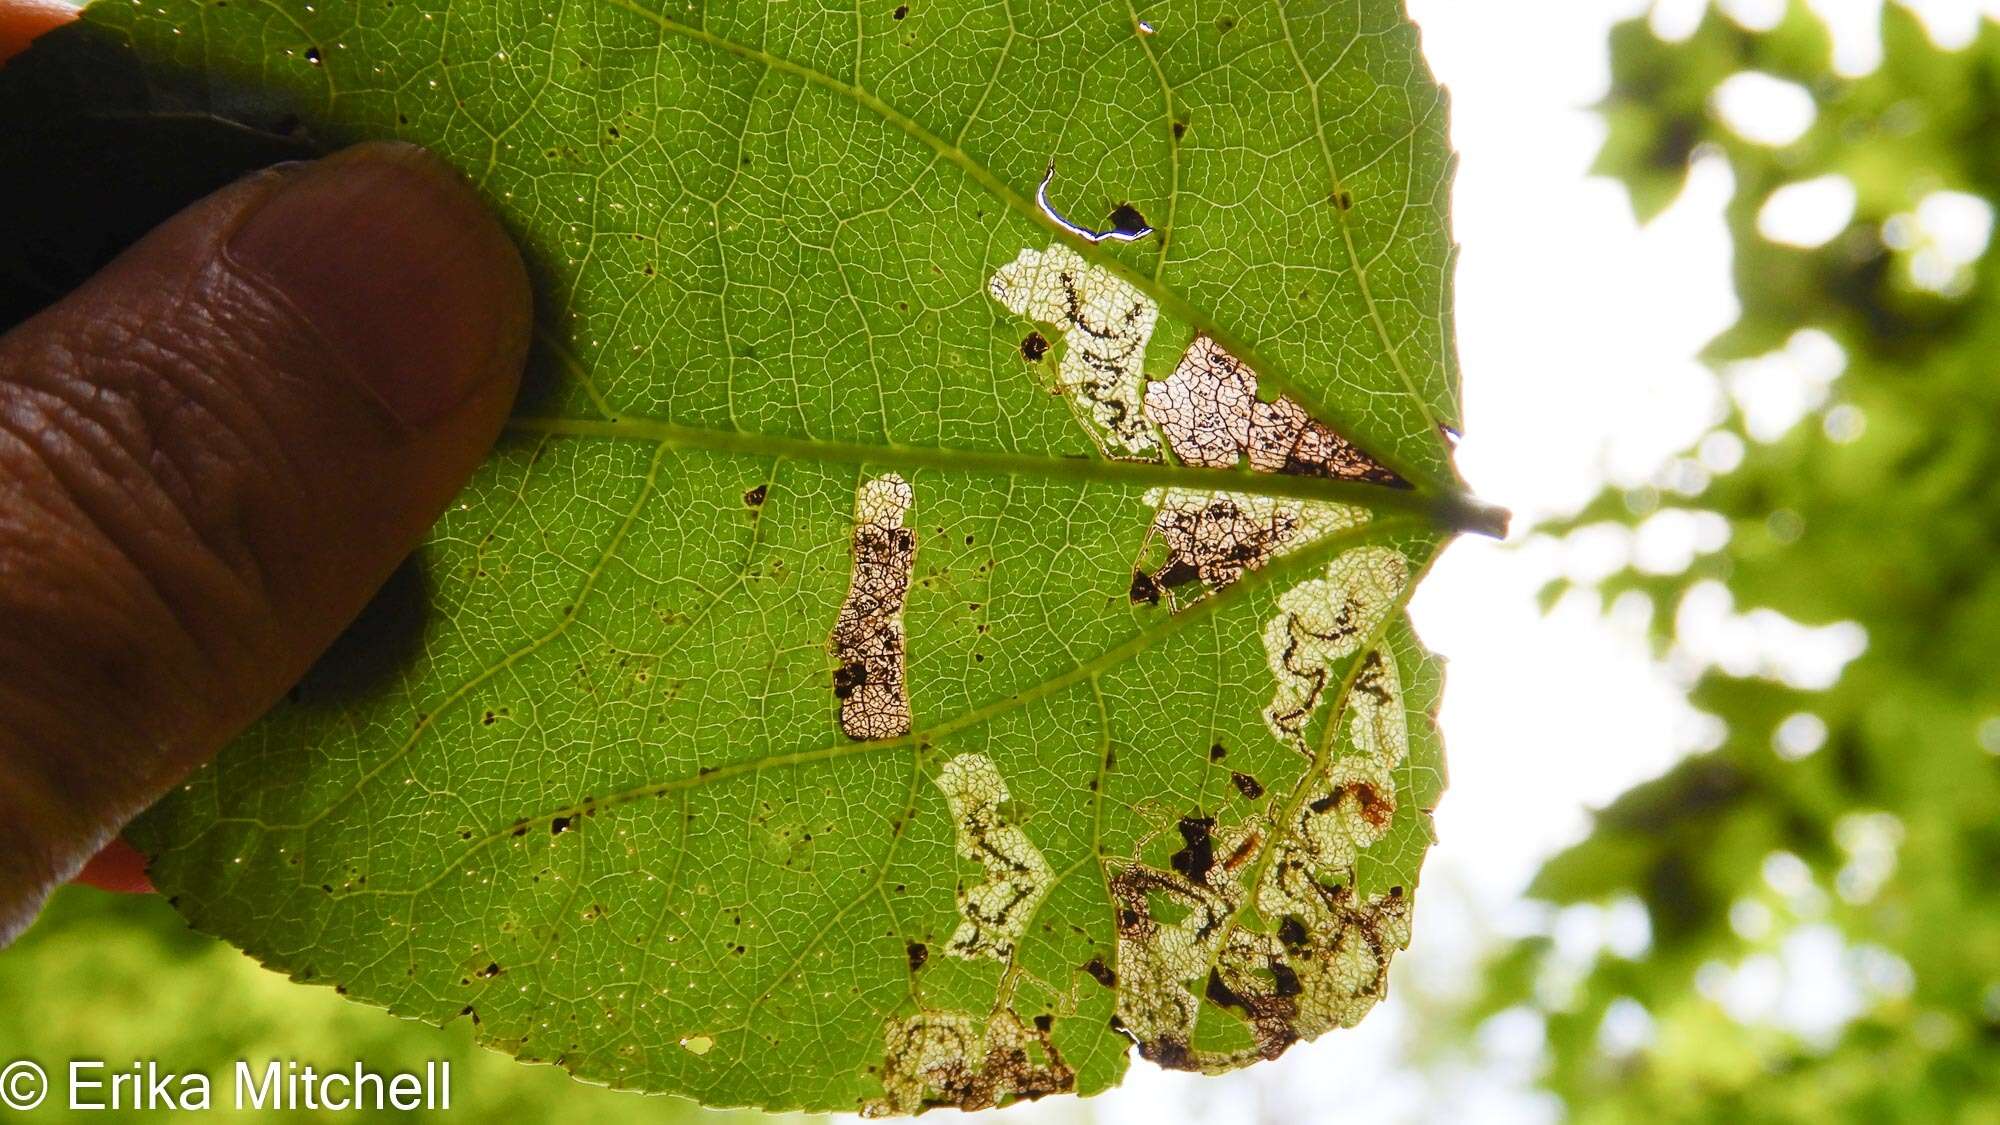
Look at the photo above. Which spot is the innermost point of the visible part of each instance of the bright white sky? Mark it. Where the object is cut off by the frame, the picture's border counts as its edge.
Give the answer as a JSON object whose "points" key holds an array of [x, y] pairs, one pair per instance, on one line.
{"points": [[1578, 332]]}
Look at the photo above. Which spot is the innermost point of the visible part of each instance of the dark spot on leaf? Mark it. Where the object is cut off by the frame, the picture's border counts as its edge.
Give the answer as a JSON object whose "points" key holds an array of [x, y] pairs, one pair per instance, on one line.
{"points": [[1216, 753], [1198, 855], [1126, 219], [1170, 1054], [918, 953], [1225, 24], [1034, 346], [1144, 590], [1178, 572], [1343, 200], [1292, 932], [1180, 129], [1221, 995], [312, 55], [848, 677], [902, 10], [1044, 1022], [559, 825], [1100, 972], [491, 970], [755, 497], [1286, 980], [1249, 786]]}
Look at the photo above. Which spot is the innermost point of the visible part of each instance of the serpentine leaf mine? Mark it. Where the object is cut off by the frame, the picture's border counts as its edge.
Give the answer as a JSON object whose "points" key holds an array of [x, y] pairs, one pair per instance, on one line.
{"points": [[1105, 324], [996, 910], [1323, 620]]}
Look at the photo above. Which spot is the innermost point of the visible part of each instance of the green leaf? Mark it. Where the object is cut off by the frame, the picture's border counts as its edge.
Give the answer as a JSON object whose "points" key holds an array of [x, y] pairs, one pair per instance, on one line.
{"points": [[906, 651]]}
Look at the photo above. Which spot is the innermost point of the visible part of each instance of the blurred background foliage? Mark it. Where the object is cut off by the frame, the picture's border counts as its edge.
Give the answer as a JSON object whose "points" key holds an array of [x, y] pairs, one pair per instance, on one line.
{"points": [[1822, 928], [1856, 825], [120, 977]]}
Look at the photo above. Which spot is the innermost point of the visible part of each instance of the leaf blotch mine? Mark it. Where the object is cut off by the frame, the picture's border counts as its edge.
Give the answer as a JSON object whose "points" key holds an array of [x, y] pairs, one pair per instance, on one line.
{"points": [[956, 1059], [867, 639]]}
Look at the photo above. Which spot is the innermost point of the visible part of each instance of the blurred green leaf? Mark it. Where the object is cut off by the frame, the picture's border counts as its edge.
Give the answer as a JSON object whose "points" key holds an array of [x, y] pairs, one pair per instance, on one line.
{"points": [[1879, 508], [121, 977]]}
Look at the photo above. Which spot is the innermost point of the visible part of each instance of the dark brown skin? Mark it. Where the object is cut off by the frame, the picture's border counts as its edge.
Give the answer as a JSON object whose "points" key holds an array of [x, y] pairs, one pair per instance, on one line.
{"points": [[211, 456]]}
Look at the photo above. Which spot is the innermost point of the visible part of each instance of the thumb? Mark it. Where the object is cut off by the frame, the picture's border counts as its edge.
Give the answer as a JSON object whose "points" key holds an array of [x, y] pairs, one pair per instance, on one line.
{"points": [[211, 456]]}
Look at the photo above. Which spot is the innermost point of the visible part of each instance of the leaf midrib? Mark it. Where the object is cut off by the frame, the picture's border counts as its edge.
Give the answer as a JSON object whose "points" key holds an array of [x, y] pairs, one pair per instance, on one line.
{"points": [[1451, 512]]}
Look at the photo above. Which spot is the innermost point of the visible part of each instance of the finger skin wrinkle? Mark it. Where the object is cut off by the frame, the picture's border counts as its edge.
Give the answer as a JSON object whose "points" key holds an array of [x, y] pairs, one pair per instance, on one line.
{"points": [[93, 522], [158, 481]]}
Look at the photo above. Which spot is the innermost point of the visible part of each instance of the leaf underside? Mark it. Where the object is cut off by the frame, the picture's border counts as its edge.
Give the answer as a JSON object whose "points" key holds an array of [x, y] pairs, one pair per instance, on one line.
{"points": [[904, 652]]}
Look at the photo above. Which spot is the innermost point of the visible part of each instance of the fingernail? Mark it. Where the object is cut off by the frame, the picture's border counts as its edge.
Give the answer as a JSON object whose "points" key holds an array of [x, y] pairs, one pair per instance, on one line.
{"points": [[397, 264]]}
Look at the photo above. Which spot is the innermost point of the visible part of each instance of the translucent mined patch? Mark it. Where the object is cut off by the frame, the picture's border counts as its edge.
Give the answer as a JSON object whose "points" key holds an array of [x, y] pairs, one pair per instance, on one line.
{"points": [[1209, 411], [1216, 537], [995, 911], [868, 635], [1322, 621], [950, 1058], [1105, 324], [1321, 963], [1162, 953]]}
